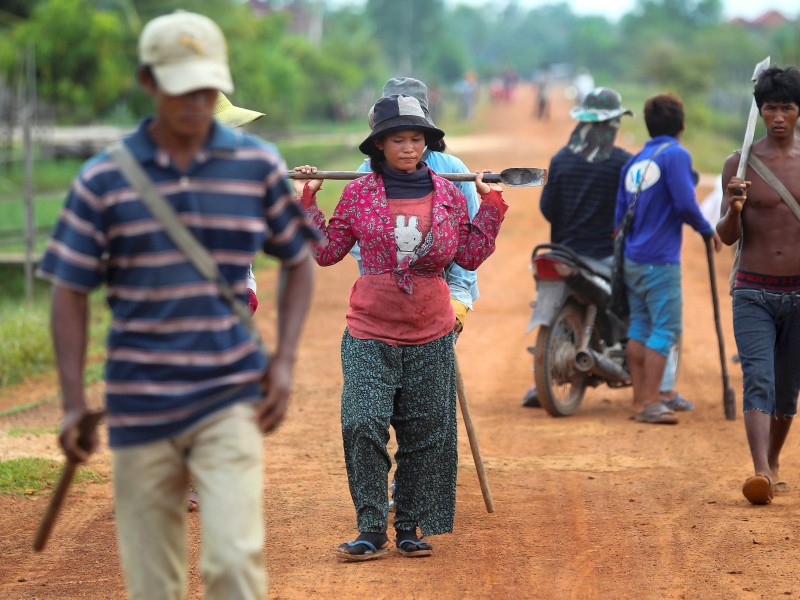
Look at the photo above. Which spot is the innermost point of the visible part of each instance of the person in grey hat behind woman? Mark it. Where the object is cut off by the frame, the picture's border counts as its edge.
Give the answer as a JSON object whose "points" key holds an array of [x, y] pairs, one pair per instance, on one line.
{"points": [[580, 197], [397, 350]]}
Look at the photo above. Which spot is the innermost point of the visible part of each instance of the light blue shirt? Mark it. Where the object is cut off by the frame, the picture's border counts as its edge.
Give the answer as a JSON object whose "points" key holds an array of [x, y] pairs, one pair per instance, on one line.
{"points": [[463, 283]]}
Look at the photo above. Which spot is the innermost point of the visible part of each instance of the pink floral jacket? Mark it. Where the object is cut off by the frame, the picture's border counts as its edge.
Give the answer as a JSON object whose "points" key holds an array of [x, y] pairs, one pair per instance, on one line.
{"points": [[363, 215]]}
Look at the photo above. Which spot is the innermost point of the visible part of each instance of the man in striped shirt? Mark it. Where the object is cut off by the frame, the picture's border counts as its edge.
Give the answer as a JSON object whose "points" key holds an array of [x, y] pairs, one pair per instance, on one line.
{"points": [[187, 391]]}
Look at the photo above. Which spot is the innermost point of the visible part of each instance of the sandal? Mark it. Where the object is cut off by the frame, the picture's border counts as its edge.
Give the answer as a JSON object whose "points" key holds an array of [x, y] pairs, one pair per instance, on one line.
{"points": [[362, 550], [414, 549], [657, 413], [758, 489], [678, 403], [192, 500], [412, 546]]}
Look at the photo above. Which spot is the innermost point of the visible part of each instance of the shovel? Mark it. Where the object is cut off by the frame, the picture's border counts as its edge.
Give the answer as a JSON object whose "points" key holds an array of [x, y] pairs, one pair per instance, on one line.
{"points": [[728, 394], [512, 177]]}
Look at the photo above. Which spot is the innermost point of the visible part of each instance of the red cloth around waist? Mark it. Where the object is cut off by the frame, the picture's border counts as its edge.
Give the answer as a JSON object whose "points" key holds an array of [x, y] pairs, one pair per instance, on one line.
{"points": [[381, 310]]}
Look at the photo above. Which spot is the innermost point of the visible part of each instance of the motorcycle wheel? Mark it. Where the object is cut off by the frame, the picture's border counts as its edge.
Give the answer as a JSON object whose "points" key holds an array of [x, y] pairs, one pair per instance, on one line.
{"points": [[560, 384]]}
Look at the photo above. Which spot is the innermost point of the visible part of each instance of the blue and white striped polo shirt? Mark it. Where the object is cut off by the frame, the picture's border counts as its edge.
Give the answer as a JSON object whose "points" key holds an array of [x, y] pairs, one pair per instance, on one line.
{"points": [[176, 353]]}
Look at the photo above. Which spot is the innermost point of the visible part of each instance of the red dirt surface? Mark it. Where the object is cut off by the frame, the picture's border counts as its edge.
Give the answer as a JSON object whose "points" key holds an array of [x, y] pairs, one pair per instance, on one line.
{"points": [[589, 506]]}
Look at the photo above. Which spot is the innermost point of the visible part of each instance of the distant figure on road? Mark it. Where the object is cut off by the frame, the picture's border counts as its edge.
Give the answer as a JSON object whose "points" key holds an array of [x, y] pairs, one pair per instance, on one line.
{"points": [[584, 84], [467, 91], [542, 84]]}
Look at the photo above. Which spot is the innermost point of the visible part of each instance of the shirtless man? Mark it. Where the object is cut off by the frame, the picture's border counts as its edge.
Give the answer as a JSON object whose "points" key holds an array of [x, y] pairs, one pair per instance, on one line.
{"points": [[766, 293]]}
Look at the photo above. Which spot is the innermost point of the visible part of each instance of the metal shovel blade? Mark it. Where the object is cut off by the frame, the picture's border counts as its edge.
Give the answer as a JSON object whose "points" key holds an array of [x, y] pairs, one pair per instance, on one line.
{"points": [[512, 177]]}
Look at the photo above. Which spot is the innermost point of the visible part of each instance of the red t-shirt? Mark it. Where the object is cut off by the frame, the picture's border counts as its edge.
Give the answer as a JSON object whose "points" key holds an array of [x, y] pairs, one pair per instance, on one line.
{"points": [[381, 310]]}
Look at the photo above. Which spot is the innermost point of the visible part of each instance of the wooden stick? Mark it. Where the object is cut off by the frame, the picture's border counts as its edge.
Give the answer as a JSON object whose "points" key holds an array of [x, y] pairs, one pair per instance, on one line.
{"points": [[728, 393], [86, 429], [54, 506], [473, 440]]}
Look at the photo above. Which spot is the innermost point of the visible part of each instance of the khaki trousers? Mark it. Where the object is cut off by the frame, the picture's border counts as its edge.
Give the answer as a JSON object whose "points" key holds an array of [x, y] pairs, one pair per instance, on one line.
{"points": [[223, 454]]}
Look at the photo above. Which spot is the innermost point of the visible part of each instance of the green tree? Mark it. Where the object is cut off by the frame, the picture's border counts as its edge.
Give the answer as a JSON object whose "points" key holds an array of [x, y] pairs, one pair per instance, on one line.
{"points": [[407, 30], [81, 60], [595, 45]]}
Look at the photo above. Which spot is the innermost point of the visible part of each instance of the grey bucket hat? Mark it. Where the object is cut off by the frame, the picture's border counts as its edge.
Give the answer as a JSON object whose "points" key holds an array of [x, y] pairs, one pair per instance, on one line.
{"points": [[407, 86], [410, 87], [601, 104], [397, 112]]}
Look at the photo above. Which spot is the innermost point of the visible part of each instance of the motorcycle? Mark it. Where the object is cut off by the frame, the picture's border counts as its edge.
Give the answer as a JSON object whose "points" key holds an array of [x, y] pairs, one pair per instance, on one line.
{"points": [[581, 340]]}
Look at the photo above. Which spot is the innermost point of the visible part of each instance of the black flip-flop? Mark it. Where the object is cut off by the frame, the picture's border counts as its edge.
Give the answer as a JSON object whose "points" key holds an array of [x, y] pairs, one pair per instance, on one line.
{"points": [[414, 548], [362, 550]]}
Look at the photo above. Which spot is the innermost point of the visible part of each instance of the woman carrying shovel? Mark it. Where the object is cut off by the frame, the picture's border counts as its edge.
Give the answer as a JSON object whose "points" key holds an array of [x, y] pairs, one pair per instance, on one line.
{"points": [[397, 350]]}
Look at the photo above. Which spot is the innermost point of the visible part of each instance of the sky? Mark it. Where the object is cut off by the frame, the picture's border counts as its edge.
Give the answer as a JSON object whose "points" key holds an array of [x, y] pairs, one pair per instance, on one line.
{"points": [[614, 9]]}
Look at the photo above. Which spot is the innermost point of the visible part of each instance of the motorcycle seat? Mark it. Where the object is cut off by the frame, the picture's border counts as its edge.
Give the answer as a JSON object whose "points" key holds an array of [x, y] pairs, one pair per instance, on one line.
{"points": [[599, 267]]}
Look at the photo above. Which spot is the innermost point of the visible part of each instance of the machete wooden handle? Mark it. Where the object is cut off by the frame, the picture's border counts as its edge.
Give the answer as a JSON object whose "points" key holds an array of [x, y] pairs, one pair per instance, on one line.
{"points": [[86, 429]]}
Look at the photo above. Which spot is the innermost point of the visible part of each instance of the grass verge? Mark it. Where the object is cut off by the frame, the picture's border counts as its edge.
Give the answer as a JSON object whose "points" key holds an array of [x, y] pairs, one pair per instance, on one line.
{"points": [[25, 346], [29, 476]]}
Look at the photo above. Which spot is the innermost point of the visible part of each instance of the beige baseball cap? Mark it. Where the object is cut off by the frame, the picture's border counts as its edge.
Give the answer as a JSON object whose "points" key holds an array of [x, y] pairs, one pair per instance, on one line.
{"points": [[187, 52]]}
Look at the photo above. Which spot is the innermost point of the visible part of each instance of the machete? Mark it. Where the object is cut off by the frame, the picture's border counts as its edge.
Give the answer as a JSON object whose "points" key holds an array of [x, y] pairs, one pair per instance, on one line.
{"points": [[750, 130]]}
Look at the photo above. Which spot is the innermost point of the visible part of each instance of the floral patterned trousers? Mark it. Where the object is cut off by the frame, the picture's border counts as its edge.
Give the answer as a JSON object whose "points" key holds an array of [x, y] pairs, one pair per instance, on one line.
{"points": [[413, 389]]}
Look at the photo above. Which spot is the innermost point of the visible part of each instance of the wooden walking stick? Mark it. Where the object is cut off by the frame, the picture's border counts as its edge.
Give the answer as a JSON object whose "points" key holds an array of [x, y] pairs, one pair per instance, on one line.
{"points": [[728, 394], [473, 440], [86, 429]]}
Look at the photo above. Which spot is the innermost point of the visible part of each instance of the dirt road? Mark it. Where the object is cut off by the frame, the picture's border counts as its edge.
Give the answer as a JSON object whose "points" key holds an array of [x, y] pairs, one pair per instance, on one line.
{"points": [[590, 506]]}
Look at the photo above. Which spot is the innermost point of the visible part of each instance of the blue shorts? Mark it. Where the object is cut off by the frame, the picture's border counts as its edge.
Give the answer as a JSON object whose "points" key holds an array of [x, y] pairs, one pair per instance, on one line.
{"points": [[767, 330], [654, 296]]}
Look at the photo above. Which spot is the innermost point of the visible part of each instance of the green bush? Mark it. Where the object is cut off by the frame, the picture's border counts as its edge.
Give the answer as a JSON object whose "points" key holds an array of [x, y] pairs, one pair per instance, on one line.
{"points": [[26, 346]]}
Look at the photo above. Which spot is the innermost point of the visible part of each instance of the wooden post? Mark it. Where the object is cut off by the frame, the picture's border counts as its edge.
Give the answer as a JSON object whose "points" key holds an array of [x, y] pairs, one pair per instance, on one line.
{"points": [[28, 112]]}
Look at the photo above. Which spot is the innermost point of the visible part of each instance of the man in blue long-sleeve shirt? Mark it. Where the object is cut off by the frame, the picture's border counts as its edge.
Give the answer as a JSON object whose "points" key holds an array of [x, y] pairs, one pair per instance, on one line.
{"points": [[661, 176]]}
